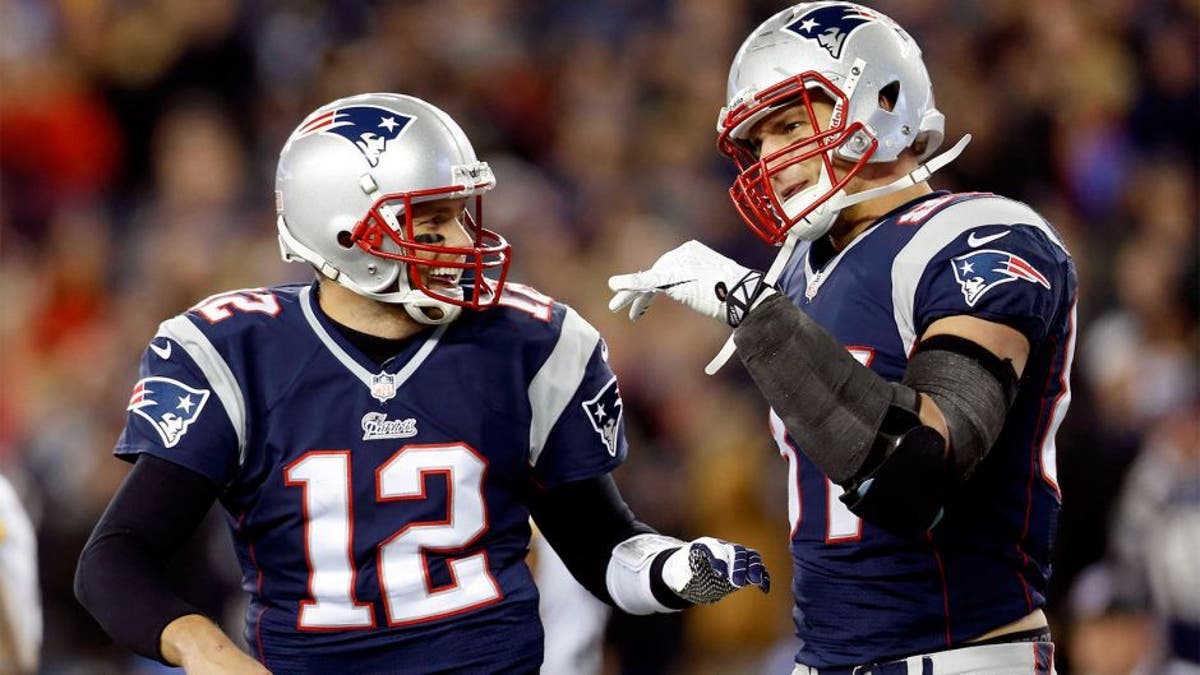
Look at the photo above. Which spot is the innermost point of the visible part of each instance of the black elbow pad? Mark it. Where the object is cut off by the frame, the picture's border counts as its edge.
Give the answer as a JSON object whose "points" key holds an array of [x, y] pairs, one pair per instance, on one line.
{"points": [[908, 478]]}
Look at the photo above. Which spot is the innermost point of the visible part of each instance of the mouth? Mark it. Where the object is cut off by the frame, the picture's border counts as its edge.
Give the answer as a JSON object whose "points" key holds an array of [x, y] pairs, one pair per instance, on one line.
{"points": [[443, 278], [791, 190]]}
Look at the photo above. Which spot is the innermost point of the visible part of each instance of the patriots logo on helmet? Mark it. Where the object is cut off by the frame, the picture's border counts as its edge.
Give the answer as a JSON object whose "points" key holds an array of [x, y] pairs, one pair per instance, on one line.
{"points": [[604, 410], [981, 270], [830, 26], [171, 406], [368, 127]]}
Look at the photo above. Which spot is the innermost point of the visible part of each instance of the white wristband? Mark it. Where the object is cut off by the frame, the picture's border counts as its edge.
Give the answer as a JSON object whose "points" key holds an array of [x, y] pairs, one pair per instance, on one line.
{"points": [[628, 576]]}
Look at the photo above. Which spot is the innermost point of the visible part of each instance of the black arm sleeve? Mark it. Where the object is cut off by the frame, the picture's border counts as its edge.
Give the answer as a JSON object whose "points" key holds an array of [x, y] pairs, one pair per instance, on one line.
{"points": [[120, 578], [583, 520]]}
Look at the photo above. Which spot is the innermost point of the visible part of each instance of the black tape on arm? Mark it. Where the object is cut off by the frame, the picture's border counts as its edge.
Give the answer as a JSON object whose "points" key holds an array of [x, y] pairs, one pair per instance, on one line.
{"points": [[860, 430], [831, 404], [972, 387]]}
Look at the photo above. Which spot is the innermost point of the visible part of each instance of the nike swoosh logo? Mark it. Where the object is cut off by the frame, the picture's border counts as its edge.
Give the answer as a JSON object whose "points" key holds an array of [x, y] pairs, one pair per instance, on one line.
{"points": [[164, 353], [674, 284], [974, 241]]}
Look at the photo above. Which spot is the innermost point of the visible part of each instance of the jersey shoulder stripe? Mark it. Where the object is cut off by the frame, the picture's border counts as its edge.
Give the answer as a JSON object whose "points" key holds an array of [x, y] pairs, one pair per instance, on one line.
{"points": [[215, 369], [942, 228], [555, 383]]}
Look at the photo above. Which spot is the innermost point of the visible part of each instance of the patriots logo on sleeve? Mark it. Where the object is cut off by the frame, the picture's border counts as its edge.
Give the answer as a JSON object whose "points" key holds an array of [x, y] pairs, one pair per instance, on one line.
{"points": [[830, 26], [368, 127], [171, 406], [979, 271], [604, 411]]}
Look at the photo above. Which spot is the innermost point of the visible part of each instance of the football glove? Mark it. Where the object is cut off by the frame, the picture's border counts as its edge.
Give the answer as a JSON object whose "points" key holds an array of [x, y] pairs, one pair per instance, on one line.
{"points": [[696, 276], [707, 569]]}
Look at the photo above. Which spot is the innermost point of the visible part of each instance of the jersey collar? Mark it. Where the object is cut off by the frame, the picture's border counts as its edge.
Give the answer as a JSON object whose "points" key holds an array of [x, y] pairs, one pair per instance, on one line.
{"points": [[382, 381]]}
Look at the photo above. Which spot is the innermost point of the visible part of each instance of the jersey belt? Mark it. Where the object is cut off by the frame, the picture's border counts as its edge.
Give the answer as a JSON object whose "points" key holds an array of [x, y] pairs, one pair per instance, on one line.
{"points": [[901, 666]]}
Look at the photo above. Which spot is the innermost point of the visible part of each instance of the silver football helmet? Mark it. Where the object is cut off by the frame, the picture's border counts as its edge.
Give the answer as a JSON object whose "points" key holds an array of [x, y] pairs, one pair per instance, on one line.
{"points": [[854, 55], [345, 186]]}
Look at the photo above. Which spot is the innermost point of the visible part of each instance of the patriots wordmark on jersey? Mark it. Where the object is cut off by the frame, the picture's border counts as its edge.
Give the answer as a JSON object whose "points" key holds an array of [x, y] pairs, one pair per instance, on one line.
{"points": [[378, 512], [863, 594]]}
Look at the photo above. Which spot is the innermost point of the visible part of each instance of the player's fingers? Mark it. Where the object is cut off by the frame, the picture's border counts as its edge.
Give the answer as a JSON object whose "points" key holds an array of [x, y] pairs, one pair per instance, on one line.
{"points": [[738, 574], [764, 584], [620, 299], [640, 304], [756, 572], [635, 281]]}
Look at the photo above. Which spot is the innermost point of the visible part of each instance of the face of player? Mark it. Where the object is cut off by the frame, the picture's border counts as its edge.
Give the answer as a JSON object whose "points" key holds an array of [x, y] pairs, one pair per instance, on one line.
{"points": [[787, 126], [440, 223]]}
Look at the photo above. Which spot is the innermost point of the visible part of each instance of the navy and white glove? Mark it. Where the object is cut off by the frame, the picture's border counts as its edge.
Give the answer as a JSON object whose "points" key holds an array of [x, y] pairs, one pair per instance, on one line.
{"points": [[696, 276], [706, 569]]}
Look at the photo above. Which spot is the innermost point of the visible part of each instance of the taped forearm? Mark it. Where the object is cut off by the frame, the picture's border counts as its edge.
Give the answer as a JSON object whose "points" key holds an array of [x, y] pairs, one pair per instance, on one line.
{"points": [[831, 404], [972, 387]]}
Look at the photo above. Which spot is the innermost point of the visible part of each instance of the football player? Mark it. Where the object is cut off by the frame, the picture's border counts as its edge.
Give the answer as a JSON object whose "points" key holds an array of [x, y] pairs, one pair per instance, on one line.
{"points": [[378, 442], [915, 348]]}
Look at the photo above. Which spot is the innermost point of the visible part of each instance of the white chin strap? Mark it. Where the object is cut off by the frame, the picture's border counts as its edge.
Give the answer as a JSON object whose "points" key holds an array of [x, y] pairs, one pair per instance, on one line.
{"points": [[821, 219], [422, 308], [816, 224]]}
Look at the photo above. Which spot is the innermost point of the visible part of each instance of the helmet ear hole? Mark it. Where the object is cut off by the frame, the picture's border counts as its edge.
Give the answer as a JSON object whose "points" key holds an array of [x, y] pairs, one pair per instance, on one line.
{"points": [[345, 239], [889, 95]]}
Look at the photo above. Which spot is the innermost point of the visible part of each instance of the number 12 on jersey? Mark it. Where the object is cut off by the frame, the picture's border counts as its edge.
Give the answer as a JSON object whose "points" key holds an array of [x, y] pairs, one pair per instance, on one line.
{"points": [[409, 596]]}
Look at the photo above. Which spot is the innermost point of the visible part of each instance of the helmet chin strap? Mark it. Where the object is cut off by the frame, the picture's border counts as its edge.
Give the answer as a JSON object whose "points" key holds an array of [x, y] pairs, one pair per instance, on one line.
{"points": [[816, 224], [838, 202], [418, 308], [917, 175], [415, 302]]}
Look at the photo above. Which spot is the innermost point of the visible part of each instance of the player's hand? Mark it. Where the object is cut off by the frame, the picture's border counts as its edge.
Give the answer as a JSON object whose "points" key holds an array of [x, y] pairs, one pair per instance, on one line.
{"points": [[696, 276], [227, 662], [197, 644], [708, 569]]}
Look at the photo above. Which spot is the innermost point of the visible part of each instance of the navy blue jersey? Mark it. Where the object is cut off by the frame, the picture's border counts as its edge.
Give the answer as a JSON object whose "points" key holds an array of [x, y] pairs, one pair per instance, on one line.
{"points": [[378, 513], [863, 594]]}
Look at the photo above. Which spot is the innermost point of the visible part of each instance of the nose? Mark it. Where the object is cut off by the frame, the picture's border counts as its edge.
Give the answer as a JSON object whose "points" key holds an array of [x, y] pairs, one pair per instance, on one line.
{"points": [[782, 177], [457, 236]]}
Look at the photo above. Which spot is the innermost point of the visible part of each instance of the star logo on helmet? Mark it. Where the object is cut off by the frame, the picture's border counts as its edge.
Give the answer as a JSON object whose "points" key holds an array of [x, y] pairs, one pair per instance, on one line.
{"points": [[829, 26], [369, 128]]}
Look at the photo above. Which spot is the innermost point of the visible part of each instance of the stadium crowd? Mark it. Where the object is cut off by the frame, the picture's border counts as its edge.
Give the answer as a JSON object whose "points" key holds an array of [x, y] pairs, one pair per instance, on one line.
{"points": [[137, 151]]}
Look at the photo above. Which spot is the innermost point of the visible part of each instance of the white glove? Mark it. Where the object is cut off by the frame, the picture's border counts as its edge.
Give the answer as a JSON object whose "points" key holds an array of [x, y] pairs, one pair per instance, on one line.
{"points": [[696, 276], [708, 569]]}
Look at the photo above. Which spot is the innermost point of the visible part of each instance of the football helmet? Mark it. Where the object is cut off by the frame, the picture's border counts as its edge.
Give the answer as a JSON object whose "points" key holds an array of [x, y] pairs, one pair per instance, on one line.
{"points": [[345, 187], [853, 55]]}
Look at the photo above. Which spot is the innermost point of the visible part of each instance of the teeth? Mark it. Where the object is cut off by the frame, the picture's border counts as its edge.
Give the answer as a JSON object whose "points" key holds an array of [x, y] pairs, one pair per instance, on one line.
{"points": [[448, 273]]}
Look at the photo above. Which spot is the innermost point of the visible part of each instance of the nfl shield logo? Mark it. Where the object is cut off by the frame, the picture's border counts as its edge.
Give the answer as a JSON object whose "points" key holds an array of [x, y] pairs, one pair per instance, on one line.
{"points": [[383, 386]]}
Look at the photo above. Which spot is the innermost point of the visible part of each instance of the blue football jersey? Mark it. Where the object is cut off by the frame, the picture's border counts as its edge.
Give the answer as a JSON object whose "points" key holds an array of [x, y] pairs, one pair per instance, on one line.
{"points": [[379, 513], [863, 594]]}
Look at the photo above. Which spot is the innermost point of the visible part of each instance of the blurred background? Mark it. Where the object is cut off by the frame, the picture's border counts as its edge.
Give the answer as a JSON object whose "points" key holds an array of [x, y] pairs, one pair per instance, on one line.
{"points": [[138, 140]]}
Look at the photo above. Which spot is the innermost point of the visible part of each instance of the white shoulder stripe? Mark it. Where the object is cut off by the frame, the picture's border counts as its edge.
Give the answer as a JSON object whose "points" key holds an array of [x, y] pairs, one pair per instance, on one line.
{"points": [[559, 378], [935, 234], [215, 369]]}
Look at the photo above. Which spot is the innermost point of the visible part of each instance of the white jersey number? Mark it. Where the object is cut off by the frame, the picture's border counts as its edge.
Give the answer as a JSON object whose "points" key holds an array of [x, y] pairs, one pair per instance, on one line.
{"points": [[408, 592], [840, 524]]}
